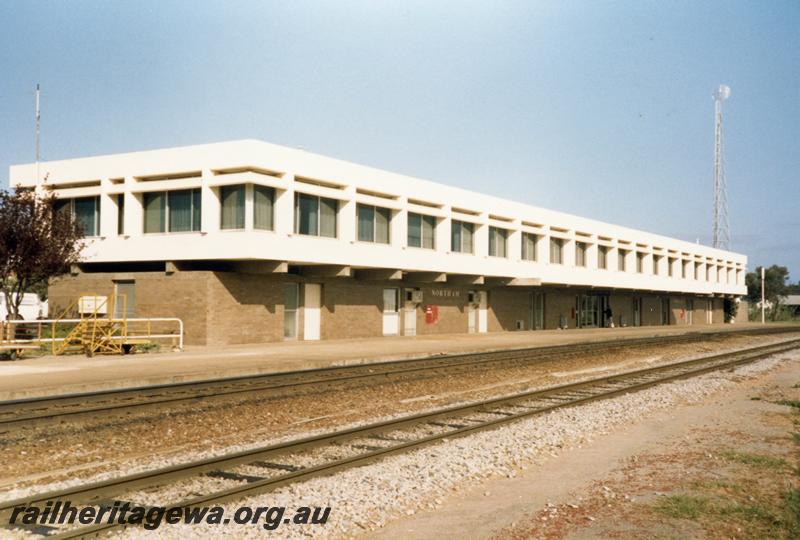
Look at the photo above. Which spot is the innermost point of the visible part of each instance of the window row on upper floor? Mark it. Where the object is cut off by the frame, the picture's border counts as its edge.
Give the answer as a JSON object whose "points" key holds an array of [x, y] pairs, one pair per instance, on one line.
{"points": [[181, 211]]}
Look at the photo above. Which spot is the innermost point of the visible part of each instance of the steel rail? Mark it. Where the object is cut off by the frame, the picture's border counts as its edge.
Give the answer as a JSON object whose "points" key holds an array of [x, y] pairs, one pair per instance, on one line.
{"points": [[572, 394], [23, 412]]}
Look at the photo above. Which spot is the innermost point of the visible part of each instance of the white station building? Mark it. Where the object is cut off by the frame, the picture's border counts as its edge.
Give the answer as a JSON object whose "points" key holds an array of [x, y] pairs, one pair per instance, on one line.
{"points": [[248, 241]]}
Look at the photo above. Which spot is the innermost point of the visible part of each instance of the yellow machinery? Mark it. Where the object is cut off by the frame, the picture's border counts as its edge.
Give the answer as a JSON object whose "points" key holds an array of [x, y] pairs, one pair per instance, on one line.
{"points": [[102, 326], [97, 331]]}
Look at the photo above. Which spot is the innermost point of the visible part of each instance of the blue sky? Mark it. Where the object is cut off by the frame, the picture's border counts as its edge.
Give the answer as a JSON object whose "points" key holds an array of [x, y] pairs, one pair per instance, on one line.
{"points": [[601, 109]]}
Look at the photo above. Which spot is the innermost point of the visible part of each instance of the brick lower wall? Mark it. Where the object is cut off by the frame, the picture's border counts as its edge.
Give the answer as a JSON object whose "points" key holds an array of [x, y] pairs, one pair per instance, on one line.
{"points": [[719, 311], [245, 308], [651, 311], [621, 309], [220, 308], [558, 303], [443, 309], [64, 291], [350, 309], [181, 295], [742, 312], [507, 307]]}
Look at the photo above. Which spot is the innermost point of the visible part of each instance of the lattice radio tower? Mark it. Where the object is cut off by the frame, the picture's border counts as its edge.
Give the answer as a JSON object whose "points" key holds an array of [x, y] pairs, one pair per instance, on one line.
{"points": [[721, 232]]}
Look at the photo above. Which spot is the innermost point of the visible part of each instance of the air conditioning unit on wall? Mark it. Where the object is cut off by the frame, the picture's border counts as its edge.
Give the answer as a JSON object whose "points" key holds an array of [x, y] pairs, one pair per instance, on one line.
{"points": [[414, 295], [93, 305]]}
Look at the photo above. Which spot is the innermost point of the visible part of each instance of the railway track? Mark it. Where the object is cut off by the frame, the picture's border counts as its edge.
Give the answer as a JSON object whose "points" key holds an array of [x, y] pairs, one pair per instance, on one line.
{"points": [[264, 469], [34, 411]]}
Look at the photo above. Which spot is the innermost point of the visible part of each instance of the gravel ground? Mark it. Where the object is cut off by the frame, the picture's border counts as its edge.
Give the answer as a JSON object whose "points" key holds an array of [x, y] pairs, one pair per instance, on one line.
{"points": [[365, 498], [142, 441], [244, 436]]}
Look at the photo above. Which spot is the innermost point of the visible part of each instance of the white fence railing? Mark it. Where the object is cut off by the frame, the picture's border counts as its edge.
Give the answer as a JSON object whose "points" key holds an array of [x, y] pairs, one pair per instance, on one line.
{"points": [[45, 330]]}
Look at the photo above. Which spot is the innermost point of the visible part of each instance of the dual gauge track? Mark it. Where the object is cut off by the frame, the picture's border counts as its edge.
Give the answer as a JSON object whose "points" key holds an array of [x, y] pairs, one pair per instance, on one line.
{"points": [[264, 469], [28, 412]]}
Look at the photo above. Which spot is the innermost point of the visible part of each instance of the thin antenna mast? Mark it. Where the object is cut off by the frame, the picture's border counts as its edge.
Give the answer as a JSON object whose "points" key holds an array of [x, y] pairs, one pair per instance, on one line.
{"points": [[721, 230], [38, 133]]}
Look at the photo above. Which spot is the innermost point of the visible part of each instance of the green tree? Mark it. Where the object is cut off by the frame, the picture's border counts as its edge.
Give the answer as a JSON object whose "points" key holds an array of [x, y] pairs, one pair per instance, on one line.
{"points": [[36, 243], [730, 307], [775, 287]]}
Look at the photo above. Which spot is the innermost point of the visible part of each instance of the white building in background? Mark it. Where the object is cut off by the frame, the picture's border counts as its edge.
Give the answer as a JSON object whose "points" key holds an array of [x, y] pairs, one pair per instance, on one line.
{"points": [[30, 308]]}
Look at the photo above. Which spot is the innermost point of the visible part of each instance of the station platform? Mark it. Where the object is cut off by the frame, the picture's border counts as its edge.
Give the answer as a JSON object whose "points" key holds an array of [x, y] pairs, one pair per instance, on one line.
{"points": [[51, 375]]}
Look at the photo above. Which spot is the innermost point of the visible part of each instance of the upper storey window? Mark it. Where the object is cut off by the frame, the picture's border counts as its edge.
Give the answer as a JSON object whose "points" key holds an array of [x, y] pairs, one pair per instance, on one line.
{"points": [[263, 208], [373, 224], [621, 254], [602, 257], [640, 262], [184, 210], [462, 237], [231, 200], [557, 251], [315, 216], [84, 210], [580, 253], [232, 207], [421, 231], [173, 211], [529, 246], [121, 213], [498, 238]]}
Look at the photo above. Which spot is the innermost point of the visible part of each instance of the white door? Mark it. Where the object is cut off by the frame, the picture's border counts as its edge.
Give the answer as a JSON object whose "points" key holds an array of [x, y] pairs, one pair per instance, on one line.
{"points": [[410, 319], [710, 312], [311, 310], [472, 318], [391, 313], [291, 301], [124, 299], [483, 315]]}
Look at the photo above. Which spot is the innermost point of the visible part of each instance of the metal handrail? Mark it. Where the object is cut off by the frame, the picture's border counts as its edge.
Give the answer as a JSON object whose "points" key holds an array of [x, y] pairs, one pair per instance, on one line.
{"points": [[41, 322]]}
